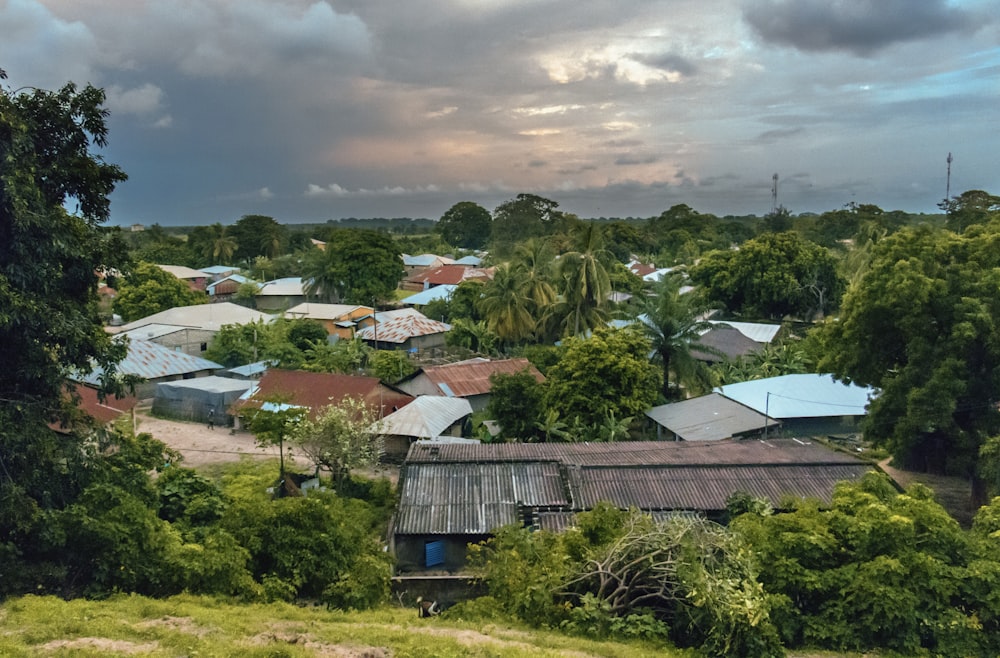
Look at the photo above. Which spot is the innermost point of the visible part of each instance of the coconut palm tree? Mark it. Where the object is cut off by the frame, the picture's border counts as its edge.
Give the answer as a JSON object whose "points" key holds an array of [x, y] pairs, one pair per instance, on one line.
{"points": [[673, 322], [533, 259], [585, 283], [220, 246], [505, 307]]}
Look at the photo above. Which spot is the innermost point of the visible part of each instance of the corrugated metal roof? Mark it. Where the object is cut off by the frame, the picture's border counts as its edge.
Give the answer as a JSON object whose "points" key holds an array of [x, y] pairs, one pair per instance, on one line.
{"points": [[472, 377], [708, 418], [473, 499], [236, 278], [755, 331], [706, 488], [151, 361], [401, 328], [151, 331], [289, 286], [211, 384], [430, 295], [728, 341], [202, 316], [426, 417], [453, 274], [325, 311], [638, 453], [424, 260], [800, 396], [183, 272]]}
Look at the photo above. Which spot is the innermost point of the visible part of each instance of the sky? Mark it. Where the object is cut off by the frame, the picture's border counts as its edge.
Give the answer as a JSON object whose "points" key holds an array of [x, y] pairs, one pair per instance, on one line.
{"points": [[314, 110]]}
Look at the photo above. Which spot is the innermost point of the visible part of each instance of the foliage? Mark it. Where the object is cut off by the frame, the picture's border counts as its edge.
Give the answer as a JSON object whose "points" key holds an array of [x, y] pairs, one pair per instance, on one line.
{"points": [[877, 569], [271, 424], [466, 225], [672, 323], [342, 437], [304, 332], [149, 289], [357, 267], [607, 373], [773, 360], [621, 574], [390, 365], [771, 276], [506, 307], [921, 326], [214, 244], [186, 496], [526, 216], [240, 344], [516, 405], [970, 208], [585, 286], [255, 236]]}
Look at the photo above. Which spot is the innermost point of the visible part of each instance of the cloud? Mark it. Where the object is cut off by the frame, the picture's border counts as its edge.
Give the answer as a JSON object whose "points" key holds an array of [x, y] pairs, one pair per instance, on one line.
{"points": [[42, 50], [630, 159], [861, 27], [669, 62], [335, 190], [142, 101]]}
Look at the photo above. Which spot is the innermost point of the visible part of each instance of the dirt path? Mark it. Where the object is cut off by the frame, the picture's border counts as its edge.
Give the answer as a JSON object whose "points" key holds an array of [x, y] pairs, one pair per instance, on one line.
{"points": [[200, 445]]}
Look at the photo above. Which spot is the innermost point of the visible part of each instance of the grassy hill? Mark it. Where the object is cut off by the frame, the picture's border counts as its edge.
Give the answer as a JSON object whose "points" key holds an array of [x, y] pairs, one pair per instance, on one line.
{"points": [[204, 627]]}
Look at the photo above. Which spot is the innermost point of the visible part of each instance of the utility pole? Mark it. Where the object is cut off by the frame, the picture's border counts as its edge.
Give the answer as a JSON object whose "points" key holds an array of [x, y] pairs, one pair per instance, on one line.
{"points": [[774, 193]]}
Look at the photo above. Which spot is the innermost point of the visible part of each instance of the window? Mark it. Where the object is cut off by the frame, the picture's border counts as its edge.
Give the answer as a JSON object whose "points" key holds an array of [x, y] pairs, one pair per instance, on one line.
{"points": [[204, 346], [434, 553]]}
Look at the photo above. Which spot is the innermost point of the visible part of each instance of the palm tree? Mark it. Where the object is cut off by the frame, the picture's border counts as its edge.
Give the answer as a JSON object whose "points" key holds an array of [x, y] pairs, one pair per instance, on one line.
{"points": [[505, 306], [586, 284], [533, 259], [673, 323], [220, 246]]}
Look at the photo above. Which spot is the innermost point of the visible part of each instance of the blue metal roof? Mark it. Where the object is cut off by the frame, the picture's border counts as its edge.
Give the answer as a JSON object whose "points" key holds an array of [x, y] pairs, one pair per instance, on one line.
{"points": [[151, 361], [800, 396], [429, 295]]}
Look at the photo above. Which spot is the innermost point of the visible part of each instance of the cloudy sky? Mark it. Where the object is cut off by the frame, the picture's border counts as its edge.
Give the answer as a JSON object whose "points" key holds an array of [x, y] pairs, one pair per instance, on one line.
{"points": [[310, 110]]}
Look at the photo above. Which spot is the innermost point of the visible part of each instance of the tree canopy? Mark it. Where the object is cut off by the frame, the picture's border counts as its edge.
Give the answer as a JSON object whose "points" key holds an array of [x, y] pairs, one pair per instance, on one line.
{"points": [[921, 326], [149, 289], [357, 267], [466, 225]]}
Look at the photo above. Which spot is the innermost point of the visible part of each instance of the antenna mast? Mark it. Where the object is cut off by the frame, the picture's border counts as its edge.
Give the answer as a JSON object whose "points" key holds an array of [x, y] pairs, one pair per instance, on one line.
{"points": [[947, 189], [774, 193]]}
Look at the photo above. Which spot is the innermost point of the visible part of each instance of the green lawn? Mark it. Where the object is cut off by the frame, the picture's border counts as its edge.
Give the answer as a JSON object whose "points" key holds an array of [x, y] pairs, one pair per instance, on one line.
{"points": [[200, 626]]}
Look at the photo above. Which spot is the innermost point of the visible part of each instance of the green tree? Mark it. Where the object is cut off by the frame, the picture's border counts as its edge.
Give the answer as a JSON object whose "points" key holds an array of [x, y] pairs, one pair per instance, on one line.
{"points": [[272, 423], [771, 276], [607, 373], [357, 267], [149, 289], [466, 225], [526, 216], [516, 405], [533, 261], [49, 324], [257, 235], [673, 323], [585, 285], [969, 209], [506, 306], [921, 327], [215, 243], [343, 437]]}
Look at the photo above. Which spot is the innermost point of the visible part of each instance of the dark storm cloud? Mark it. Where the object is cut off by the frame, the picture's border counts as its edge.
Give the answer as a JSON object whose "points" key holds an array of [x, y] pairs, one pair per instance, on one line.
{"points": [[861, 27]]}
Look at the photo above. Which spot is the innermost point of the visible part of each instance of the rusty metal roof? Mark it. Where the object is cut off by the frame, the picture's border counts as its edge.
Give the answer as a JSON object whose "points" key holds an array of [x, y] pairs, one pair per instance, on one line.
{"points": [[402, 327], [706, 488], [473, 499], [316, 390], [472, 377], [640, 453]]}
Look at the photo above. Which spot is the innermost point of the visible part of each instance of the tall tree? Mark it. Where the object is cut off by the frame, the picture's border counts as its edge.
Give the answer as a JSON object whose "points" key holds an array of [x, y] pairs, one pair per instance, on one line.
{"points": [[585, 284], [771, 276], [49, 324], [523, 217], [534, 259], [257, 235], [922, 327], [357, 267], [673, 323], [970, 208], [466, 225], [506, 307]]}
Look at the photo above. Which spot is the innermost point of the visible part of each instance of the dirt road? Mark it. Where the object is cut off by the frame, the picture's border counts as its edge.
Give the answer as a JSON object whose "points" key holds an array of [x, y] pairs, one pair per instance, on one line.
{"points": [[200, 445]]}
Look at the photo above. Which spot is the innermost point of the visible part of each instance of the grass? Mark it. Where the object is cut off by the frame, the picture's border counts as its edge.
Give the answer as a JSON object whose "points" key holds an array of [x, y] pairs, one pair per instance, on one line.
{"points": [[129, 625]]}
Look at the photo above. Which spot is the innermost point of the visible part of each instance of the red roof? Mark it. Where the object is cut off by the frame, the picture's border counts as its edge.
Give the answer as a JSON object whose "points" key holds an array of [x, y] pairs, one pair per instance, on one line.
{"points": [[641, 269], [451, 275], [102, 412], [472, 377], [316, 390]]}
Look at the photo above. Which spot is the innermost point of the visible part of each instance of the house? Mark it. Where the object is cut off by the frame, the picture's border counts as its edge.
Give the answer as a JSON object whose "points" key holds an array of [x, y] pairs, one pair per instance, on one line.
{"points": [[724, 343], [315, 390], [402, 329], [453, 495], [339, 320], [153, 364], [413, 264], [710, 417], [445, 275], [99, 411], [218, 272], [280, 294], [466, 379], [190, 328], [425, 297], [199, 399], [806, 405], [428, 417], [196, 279], [226, 288]]}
